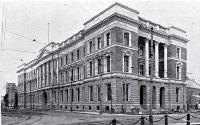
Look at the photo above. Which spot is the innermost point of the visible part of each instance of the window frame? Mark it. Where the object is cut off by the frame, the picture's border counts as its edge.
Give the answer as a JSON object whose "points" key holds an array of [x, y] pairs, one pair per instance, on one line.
{"points": [[129, 42], [105, 39]]}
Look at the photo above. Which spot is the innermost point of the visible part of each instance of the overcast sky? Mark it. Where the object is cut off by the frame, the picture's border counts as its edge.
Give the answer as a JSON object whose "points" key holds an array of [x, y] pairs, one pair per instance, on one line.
{"points": [[28, 19]]}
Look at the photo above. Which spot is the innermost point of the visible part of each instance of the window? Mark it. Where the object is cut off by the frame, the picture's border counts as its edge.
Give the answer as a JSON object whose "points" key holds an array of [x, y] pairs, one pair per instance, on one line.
{"points": [[78, 73], [90, 68], [72, 95], [84, 50], [66, 76], [108, 39], [99, 43], [61, 75], [78, 54], [67, 95], [141, 50], [91, 93], [98, 93], [83, 92], [90, 108], [126, 63], [177, 93], [99, 66], [109, 92], [141, 70], [66, 59], [72, 75], [126, 38], [125, 91], [72, 57], [54, 92], [178, 53], [90, 46], [178, 71], [61, 95], [61, 61], [108, 63], [78, 94]]}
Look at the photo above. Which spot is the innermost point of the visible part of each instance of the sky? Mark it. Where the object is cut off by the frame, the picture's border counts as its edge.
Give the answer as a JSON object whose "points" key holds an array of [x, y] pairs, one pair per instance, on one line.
{"points": [[28, 19]]}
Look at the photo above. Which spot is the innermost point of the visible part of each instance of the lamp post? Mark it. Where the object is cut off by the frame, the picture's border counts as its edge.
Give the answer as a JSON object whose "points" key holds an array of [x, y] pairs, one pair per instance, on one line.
{"points": [[71, 109], [151, 79], [101, 97]]}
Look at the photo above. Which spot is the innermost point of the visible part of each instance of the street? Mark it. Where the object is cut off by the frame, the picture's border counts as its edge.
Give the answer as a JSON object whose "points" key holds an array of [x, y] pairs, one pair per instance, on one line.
{"points": [[36, 117]]}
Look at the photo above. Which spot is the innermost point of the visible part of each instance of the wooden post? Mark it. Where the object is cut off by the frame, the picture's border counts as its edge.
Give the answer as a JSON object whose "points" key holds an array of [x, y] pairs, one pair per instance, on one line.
{"points": [[142, 120], [166, 119], [114, 122], [188, 119]]}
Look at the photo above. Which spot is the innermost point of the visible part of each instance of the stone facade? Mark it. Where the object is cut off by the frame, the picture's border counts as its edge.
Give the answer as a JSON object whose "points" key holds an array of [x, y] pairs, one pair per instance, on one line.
{"points": [[116, 49]]}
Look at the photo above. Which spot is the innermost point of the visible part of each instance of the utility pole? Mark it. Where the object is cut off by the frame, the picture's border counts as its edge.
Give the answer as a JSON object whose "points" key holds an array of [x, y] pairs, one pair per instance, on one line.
{"points": [[58, 79], [52, 77], [151, 79], [48, 33]]}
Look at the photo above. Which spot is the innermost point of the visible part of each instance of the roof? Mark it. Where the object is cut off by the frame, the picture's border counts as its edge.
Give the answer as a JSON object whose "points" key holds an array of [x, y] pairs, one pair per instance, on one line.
{"points": [[192, 84], [115, 4]]}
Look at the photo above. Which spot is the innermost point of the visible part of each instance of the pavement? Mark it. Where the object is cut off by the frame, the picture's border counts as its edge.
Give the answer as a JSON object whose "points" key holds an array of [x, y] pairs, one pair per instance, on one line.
{"points": [[62, 117]]}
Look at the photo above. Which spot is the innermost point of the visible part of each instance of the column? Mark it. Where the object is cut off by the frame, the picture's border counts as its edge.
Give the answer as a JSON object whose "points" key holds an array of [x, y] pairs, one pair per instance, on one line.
{"points": [[165, 61], [146, 57], [156, 59]]}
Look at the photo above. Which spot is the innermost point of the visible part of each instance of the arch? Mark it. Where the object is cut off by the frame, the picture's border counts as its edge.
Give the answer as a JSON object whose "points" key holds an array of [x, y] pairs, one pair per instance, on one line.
{"points": [[143, 96], [162, 97]]}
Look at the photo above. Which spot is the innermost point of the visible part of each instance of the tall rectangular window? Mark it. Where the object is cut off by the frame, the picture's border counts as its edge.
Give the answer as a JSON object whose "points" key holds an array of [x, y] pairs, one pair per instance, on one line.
{"points": [[61, 75], [66, 59], [126, 38], [90, 68], [90, 46], [78, 54], [61, 95], [108, 63], [126, 63], [78, 94], [61, 61], [66, 76], [91, 93], [141, 70], [72, 95], [54, 92], [98, 93], [67, 95], [84, 50], [125, 91], [72, 75], [177, 93], [72, 57], [178, 72], [99, 66], [108, 39], [83, 94], [99, 43], [109, 92], [178, 53], [78, 73]]}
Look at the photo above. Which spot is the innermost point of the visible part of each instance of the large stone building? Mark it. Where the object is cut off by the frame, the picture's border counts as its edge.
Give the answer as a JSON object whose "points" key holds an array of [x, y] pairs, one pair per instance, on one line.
{"points": [[110, 55]]}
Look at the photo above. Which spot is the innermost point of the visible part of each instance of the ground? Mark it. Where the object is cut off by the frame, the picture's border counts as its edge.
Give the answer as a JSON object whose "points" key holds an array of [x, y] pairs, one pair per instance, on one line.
{"points": [[50, 117]]}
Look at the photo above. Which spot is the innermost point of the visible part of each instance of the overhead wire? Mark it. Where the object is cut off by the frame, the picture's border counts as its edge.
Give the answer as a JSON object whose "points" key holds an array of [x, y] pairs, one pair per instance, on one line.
{"points": [[21, 51]]}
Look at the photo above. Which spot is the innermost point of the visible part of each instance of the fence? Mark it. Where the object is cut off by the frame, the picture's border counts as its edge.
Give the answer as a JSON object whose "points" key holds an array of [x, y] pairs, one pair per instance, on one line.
{"points": [[166, 120]]}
